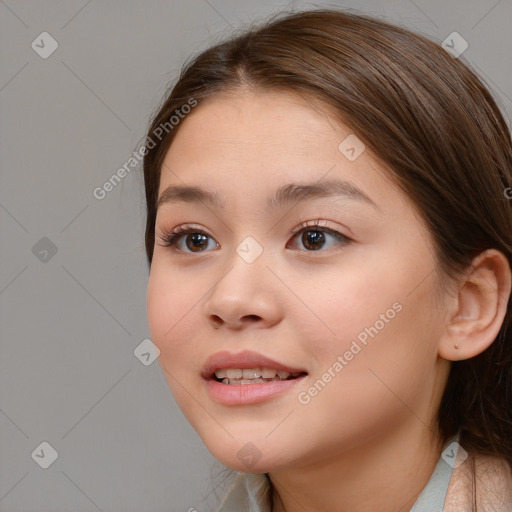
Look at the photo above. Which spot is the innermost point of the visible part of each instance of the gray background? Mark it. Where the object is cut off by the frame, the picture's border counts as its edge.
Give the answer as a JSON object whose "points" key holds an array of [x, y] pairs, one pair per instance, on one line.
{"points": [[70, 321]]}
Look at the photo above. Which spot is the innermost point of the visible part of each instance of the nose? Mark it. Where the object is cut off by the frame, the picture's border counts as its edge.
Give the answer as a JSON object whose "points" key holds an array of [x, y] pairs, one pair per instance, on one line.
{"points": [[246, 296]]}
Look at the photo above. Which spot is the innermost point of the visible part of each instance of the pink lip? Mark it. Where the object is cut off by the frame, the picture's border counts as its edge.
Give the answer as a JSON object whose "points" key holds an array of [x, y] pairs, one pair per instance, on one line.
{"points": [[245, 394], [245, 359], [242, 394]]}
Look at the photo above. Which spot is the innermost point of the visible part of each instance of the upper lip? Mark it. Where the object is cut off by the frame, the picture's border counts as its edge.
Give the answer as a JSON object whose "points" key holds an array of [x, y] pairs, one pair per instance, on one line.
{"points": [[245, 359]]}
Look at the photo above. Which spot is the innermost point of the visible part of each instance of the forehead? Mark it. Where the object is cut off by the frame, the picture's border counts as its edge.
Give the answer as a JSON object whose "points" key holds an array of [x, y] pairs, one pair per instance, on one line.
{"points": [[253, 142], [249, 118]]}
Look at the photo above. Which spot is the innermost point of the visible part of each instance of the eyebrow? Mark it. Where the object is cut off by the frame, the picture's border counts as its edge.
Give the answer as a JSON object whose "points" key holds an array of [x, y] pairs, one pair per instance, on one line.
{"points": [[289, 193]]}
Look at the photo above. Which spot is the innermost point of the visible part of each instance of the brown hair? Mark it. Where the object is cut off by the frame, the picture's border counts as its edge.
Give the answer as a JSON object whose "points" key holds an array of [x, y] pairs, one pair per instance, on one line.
{"points": [[429, 119]]}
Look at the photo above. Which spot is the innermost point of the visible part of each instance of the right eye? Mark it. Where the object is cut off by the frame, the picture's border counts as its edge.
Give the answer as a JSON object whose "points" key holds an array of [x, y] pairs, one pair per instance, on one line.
{"points": [[195, 243]]}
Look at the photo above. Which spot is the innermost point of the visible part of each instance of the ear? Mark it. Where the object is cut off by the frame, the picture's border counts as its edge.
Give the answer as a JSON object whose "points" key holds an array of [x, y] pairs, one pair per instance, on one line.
{"points": [[476, 314]]}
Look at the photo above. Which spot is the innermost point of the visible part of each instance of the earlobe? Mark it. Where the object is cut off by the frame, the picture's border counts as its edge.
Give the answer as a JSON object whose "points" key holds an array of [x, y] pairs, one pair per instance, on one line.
{"points": [[479, 309]]}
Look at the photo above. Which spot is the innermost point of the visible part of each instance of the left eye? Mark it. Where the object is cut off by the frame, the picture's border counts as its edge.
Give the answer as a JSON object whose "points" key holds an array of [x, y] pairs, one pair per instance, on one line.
{"points": [[314, 237]]}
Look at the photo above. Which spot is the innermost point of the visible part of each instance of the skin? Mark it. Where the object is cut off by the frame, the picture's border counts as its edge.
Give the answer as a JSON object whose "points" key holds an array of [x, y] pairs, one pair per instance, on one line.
{"points": [[368, 441]]}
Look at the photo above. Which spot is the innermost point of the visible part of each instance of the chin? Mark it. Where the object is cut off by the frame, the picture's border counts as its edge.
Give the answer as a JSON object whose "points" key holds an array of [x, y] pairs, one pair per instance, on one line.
{"points": [[248, 456]]}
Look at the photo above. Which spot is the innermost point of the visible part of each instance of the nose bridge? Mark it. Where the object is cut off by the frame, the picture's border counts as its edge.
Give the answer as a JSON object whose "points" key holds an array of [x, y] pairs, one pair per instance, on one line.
{"points": [[247, 264], [243, 294], [246, 272]]}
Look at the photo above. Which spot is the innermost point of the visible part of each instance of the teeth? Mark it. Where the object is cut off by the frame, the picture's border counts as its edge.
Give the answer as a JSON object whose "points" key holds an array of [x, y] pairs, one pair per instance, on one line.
{"points": [[251, 373], [231, 373], [220, 374], [243, 381]]}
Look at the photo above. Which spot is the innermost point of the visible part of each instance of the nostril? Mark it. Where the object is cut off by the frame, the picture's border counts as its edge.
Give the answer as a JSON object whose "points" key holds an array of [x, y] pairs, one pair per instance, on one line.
{"points": [[252, 317], [217, 321]]}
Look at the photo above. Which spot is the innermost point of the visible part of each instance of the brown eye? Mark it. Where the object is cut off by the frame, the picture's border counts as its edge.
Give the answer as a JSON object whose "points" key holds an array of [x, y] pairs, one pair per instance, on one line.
{"points": [[314, 238], [195, 239]]}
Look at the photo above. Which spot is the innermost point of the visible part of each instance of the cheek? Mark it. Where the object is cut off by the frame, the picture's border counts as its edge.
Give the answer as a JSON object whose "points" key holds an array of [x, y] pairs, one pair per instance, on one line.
{"points": [[345, 305], [378, 331], [170, 304], [374, 388]]}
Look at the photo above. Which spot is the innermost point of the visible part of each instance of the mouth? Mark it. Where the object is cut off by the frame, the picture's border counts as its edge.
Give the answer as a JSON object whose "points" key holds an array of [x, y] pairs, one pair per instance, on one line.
{"points": [[246, 368], [247, 378]]}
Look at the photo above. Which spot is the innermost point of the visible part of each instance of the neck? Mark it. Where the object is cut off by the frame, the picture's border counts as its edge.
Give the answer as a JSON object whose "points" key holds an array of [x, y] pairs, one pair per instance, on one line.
{"points": [[386, 474]]}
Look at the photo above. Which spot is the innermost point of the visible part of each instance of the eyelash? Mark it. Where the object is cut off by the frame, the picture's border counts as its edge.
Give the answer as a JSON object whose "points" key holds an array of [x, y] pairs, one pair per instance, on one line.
{"points": [[170, 238]]}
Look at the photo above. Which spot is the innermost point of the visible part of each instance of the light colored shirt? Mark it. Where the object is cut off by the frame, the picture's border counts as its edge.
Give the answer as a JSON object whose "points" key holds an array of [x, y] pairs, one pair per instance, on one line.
{"points": [[251, 492]]}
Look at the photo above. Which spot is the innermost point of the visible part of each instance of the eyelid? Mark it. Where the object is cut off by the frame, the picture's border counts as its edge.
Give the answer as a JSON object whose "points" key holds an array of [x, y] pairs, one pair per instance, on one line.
{"points": [[343, 230], [307, 224], [303, 226]]}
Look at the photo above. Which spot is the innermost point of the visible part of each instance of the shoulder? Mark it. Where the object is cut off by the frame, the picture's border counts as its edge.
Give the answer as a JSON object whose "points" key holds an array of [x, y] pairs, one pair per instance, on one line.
{"points": [[490, 488]]}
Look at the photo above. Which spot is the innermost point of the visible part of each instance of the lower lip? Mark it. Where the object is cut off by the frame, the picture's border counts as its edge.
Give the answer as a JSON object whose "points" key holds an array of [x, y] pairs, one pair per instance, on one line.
{"points": [[242, 394]]}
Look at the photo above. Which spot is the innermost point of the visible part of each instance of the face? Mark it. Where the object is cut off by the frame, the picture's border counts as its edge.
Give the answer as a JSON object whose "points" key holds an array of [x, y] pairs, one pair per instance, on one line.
{"points": [[311, 260]]}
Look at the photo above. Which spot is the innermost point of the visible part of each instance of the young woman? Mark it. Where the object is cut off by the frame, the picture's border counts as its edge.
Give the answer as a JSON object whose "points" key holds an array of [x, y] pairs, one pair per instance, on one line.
{"points": [[329, 234]]}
